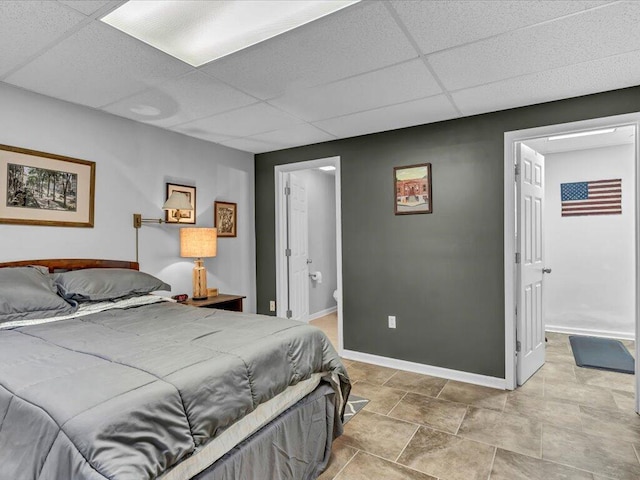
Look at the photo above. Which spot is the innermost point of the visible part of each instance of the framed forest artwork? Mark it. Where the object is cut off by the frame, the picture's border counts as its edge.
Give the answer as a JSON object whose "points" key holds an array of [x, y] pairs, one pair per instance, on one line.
{"points": [[38, 188]]}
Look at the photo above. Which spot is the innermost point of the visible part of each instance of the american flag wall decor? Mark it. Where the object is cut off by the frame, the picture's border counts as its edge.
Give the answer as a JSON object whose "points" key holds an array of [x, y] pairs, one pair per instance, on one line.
{"points": [[600, 197]]}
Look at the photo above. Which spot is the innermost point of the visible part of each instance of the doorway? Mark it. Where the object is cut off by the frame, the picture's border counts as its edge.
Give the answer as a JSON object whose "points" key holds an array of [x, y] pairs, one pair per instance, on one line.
{"points": [[524, 245], [304, 284]]}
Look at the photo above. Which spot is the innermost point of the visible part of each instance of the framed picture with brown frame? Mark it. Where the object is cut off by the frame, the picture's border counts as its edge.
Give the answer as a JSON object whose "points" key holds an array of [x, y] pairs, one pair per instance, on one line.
{"points": [[38, 188], [412, 187], [225, 218], [186, 216]]}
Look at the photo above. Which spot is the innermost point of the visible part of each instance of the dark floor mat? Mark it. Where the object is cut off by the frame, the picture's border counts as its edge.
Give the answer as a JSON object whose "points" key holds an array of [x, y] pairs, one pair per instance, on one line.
{"points": [[354, 405], [602, 353]]}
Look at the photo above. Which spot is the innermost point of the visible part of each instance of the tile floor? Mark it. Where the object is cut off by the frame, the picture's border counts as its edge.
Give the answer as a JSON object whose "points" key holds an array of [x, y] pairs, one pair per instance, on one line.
{"points": [[565, 423]]}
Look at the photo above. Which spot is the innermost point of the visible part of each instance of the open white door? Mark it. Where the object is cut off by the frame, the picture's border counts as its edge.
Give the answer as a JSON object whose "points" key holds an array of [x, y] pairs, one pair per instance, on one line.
{"points": [[298, 248], [530, 344]]}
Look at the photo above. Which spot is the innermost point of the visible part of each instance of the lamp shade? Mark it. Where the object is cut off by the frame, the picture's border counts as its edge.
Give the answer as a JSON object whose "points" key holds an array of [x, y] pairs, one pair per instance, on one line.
{"points": [[198, 242], [177, 201]]}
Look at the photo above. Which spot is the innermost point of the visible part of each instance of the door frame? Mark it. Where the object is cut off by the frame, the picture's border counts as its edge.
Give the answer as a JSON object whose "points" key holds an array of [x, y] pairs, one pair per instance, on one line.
{"points": [[510, 271], [281, 233]]}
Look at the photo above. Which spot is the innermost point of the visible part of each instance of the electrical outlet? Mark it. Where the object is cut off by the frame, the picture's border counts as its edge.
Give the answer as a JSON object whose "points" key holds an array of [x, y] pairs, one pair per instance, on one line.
{"points": [[392, 321], [272, 306]]}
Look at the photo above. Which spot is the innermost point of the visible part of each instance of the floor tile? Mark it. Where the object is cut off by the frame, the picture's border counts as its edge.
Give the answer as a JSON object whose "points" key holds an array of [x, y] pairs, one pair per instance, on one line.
{"points": [[474, 395], [381, 399], [612, 423], [625, 401], [631, 346], [431, 412], [556, 338], [578, 393], [558, 371], [534, 386], [511, 432], [554, 412], [603, 456], [447, 457], [604, 379], [378, 434], [368, 467], [513, 466], [417, 383], [329, 325], [369, 373], [561, 347], [558, 355], [341, 453], [346, 362]]}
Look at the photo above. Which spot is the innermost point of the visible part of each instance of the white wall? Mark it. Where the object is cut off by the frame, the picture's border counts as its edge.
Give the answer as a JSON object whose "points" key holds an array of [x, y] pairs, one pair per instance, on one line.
{"points": [[591, 289], [133, 163], [321, 201]]}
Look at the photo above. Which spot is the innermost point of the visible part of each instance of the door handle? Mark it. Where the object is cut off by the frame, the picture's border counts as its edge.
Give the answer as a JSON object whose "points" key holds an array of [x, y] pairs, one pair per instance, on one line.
{"points": [[546, 270]]}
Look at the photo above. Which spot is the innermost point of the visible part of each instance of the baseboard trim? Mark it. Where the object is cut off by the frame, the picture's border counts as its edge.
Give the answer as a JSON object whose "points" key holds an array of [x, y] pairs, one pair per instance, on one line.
{"points": [[589, 332], [323, 313], [440, 372]]}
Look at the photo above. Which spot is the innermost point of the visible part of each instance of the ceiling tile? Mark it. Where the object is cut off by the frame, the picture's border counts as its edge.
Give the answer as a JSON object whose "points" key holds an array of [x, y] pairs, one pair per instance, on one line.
{"points": [[436, 25], [192, 96], [594, 34], [202, 134], [28, 27], [250, 145], [243, 122], [390, 85], [303, 134], [88, 7], [417, 112], [600, 75], [96, 66], [355, 40]]}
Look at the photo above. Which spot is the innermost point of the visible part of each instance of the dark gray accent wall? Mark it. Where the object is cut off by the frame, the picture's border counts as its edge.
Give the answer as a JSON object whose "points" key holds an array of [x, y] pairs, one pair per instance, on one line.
{"points": [[441, 274]]}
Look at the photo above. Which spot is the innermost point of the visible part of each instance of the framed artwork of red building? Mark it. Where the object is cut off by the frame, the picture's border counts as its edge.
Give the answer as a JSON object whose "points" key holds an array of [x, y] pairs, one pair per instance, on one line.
{"points": [[412, 186]]}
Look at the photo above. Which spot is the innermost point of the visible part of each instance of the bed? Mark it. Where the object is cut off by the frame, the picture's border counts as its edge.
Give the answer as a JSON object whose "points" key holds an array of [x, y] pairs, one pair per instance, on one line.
{"points": [[134, 386]]}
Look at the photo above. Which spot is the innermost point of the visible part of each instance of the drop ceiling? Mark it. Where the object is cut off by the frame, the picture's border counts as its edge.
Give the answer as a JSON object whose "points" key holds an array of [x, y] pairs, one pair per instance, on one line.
{"points": [[374, 66]]}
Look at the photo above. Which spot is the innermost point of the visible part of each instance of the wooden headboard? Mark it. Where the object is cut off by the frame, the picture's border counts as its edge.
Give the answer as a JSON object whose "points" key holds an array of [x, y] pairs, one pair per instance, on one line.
{"points": [[67, 264]]}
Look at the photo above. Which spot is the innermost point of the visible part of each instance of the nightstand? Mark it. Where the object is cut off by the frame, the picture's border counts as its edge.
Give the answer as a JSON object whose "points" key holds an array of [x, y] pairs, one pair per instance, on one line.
{"points": [[221, 301]]}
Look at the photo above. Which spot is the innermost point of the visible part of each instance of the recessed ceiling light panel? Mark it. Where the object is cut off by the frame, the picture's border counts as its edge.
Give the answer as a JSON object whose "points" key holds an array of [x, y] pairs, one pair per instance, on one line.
{"points": [[199, 31], [328, 168], [583, 134]]}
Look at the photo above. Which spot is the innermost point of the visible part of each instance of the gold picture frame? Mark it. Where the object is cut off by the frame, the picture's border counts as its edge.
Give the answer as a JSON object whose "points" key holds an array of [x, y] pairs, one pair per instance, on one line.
{"points": [[39, 188], [186, 216], [225, 218]]}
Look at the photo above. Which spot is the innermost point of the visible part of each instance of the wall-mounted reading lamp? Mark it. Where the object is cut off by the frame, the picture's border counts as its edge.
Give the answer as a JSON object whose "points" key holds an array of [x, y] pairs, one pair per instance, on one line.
{"points": [[177, 202]]}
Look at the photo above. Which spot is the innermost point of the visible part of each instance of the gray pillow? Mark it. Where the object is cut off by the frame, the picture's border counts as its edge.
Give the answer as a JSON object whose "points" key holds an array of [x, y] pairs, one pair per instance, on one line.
{"points": [[95, 284], [28, 293]]}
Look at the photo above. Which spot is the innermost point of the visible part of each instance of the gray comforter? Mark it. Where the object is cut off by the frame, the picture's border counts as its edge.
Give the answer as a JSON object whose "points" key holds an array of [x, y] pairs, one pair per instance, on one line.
{"points": [[128, 394]]}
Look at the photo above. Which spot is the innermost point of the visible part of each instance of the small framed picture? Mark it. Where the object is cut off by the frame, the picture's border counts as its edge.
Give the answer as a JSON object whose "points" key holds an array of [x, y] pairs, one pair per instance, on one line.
{"points": [[224, 218], [38, 188], [412, 187], [186, 216]]}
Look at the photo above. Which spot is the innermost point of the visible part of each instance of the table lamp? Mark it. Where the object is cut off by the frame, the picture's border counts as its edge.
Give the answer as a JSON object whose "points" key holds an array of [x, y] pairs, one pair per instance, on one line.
{"points": [[199, 243]]}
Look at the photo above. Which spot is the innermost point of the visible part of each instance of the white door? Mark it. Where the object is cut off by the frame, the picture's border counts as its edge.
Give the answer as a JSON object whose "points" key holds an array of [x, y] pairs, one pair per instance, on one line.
{"points": [[530, 324], [298, 249]]}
